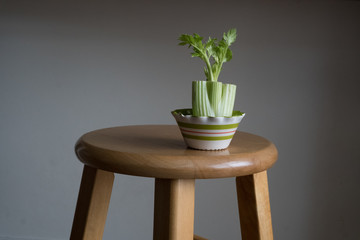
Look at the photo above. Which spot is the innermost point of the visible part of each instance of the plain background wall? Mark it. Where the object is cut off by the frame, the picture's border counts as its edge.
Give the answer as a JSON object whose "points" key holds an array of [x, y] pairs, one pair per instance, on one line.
{"points": [[70, 67]]}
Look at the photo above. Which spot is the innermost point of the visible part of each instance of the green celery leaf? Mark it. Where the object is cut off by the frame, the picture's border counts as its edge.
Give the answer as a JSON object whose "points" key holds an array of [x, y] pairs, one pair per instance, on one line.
{"points": [[213, 52], [210, 46], [230, 36], [195, 54], [228, 55]]}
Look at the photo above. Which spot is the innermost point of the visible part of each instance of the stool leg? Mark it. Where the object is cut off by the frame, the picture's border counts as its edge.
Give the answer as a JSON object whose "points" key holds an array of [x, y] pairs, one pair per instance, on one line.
{"points": [[254, 207], [174, 209], [92, 204]]}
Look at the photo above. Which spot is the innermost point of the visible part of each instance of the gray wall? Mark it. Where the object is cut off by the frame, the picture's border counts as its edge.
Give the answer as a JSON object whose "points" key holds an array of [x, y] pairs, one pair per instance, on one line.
{"points": [[68, 68]]}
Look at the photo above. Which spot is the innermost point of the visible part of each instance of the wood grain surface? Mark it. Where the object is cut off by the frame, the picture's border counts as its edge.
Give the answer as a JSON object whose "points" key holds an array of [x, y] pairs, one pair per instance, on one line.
{"points": [[92, 204], [159, 151], [254, 207], [174, 209]]}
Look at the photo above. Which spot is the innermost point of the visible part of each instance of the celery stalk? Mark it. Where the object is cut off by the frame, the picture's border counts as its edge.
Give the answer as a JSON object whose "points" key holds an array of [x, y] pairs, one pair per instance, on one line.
{"points": [[227, 100], [212, 99], [214, 92], [200, 99]]}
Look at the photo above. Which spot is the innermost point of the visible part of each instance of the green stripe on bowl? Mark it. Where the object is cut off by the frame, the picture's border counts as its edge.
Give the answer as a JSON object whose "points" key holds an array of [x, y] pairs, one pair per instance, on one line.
{"points": [[208, 127], [189, 111], [207, 138]]}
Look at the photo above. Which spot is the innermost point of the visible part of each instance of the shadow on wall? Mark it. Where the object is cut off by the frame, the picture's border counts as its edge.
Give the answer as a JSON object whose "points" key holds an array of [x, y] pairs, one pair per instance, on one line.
{"points": [[333, 200]]}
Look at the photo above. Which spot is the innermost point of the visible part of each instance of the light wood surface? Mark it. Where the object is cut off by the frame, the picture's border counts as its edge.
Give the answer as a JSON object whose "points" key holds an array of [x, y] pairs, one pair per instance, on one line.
{"points": [[174, 209], [254, 207], [92, 205], [159, 151]]}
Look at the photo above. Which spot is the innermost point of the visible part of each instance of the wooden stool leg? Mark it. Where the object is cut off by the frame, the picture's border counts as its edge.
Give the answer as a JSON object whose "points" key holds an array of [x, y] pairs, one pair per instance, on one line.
{"points": [[254, 207], [92, 204], [174, 209]]}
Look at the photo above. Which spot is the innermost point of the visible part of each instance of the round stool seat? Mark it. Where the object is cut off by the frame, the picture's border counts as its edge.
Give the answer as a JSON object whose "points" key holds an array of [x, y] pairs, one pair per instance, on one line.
{"points": [[159, 151]]}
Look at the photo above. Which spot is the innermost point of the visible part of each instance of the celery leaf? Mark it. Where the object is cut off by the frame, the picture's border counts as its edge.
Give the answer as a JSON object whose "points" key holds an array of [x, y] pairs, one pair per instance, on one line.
{"points": [[213, 52]]}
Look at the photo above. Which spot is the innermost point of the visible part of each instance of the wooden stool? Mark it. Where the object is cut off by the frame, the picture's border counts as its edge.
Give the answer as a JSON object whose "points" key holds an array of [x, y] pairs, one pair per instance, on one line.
{"points": [[158, 151]]}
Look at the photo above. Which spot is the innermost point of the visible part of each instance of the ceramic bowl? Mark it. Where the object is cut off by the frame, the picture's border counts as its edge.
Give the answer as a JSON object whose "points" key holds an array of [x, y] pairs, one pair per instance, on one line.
{"points": [[207, 133]]}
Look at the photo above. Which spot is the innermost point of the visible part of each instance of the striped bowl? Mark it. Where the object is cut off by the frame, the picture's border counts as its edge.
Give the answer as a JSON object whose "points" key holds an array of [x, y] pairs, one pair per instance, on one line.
{"points": [[207, 133]]}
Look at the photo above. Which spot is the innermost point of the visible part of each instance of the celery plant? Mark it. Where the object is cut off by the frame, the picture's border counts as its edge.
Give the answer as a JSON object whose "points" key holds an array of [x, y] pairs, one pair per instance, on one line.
{"points": [[212, 98]]}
